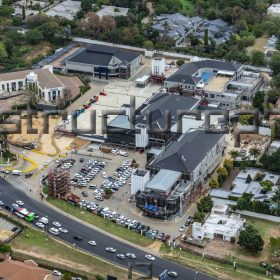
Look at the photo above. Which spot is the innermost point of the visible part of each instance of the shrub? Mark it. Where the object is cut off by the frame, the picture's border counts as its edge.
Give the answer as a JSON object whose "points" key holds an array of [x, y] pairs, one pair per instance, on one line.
{"points": [[5, 248]]}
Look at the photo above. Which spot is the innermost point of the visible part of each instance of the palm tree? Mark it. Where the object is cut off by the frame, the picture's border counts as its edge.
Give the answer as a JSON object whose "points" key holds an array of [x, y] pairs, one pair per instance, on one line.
{"points": [[254, 152], [234, 154]]}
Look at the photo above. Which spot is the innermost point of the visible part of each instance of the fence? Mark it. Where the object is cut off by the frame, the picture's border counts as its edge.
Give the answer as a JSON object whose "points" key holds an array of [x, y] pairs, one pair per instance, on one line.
{"points": [[259, 216]]}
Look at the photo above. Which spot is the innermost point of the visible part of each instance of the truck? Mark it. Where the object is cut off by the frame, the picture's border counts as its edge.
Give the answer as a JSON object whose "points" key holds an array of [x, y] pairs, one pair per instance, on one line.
{"points": [[16, 172]]}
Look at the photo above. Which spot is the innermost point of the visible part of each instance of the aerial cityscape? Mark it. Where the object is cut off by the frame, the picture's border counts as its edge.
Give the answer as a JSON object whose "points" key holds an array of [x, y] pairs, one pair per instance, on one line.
{"points": [[139, 139]]}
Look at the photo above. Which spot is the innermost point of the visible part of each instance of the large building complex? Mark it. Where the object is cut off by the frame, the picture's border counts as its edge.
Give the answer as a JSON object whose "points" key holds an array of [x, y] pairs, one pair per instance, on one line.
{"points": [[156, 121], [49, 87], [220, 82], [105, 61], [178, 170]]}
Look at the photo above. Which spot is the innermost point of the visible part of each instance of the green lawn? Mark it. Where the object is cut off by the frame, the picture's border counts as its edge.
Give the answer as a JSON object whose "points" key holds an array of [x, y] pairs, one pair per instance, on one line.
{"points": [[219, 270], [187, 6], [98, 221], [35, 241]]}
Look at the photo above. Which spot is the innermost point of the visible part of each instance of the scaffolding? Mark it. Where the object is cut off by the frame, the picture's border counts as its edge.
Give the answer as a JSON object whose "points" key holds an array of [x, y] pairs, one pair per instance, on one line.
{"points": [[58, 181]]}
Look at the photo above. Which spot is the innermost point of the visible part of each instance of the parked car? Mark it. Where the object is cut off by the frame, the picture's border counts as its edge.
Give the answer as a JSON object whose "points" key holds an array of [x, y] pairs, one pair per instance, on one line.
{"points": [[54, 231]]}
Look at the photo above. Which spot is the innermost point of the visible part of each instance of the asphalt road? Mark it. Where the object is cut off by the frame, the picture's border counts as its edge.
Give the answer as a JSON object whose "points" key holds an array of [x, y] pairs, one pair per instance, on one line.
{"points": [[9, 194]]}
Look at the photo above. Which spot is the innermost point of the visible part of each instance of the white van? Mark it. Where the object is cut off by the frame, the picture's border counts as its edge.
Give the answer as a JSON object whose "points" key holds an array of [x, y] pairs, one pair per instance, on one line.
{"points": [[44, 220], [16, 172]]}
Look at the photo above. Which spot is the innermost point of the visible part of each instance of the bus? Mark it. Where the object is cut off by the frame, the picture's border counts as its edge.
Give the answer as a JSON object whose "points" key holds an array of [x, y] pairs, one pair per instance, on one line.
{"points": [[25, 214]]}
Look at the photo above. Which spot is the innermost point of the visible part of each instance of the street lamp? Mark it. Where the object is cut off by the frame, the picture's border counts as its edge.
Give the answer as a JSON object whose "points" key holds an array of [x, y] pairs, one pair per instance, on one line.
{"points": [[196, 273]]}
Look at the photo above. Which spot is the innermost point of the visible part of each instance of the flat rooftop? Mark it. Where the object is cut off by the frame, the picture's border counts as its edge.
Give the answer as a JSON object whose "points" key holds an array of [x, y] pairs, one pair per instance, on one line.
{"points": [[163, 180], [217, 84]]}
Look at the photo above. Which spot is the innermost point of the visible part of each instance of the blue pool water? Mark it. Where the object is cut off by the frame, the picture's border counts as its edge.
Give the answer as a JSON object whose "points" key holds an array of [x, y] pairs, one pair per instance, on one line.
{"points": [[206, 76]]}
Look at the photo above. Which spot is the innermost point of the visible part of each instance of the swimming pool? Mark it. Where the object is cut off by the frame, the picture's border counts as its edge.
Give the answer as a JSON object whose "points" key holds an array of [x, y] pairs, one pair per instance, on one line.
{"points": [[206, 76]]}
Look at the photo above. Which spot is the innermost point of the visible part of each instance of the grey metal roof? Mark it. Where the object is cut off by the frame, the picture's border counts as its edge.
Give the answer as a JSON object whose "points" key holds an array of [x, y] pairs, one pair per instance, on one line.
{"points": [[163, 180], [161, 103], [102, 55], [120, 121], [185, 154]]}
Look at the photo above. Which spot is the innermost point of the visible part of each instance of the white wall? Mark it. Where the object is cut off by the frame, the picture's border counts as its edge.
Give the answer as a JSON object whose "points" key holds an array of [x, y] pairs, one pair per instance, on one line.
{"points": [[139, 182]]}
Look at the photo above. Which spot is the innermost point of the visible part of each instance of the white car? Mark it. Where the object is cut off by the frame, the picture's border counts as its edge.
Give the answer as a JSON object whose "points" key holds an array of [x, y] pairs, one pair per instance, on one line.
{"points": [[111, 250], [19, 202], [54, 231], [40, 225], [1, 203], [173, 274], [104, 175], [92, 243], [56, 273], [121, 256], [150, 257], [131, 256], [182, 228], [115, 151], [57, 224], [63, 230]]}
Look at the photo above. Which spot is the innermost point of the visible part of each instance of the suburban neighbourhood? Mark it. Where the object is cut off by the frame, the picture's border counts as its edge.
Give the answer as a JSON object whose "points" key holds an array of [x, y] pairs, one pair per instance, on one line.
{"points": [[139, 139]]}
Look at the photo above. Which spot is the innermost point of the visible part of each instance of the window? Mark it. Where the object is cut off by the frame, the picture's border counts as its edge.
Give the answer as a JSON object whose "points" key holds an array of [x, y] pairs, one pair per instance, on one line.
{"points": [[3, 87], [212, 95]]}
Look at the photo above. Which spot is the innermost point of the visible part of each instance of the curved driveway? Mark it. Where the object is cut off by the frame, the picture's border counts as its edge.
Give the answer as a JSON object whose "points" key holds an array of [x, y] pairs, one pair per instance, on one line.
{"points": [[10, 194]]}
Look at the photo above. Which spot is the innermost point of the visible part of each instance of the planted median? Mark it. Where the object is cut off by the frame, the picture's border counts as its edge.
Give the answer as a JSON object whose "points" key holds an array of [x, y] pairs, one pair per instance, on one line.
{"points": [[101, 223]]}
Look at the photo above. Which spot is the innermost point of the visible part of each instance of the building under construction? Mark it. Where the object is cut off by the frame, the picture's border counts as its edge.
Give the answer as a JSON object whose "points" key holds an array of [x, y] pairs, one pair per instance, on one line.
{"points": [[58, 181]]}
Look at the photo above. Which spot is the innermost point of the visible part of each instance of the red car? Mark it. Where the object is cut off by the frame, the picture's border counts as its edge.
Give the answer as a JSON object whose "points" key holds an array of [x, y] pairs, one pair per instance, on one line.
{"points": [[103, 93]]}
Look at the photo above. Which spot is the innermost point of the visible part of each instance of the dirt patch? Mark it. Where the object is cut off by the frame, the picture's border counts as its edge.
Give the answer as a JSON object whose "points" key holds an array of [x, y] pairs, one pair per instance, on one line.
{"points": [[42, 49], [259, 44]]}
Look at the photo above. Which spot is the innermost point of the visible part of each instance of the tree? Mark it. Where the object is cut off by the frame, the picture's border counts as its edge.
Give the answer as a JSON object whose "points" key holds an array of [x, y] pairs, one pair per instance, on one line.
{"points": [[213, 183], [67, 276], [107, 24], [222, 174], [258, 58], [3, 52], [234, 154], [91, 24], [86, 5], [266, 185], [246, 119], [9, 47], [254, 152], [251, 240], [228, 165], [275, 63], [206, 37], [34, 36], [148, 44], [180, 62], [249, 179], [258, 100], [23, 12], [198, 217], [50, 29], [6, 11], [205, 204], [271, 162], [108, 191]]}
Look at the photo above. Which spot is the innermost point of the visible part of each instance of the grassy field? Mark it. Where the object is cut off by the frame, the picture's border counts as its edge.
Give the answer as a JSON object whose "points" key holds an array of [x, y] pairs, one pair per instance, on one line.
{"points": [[266, 229], [219, 270], [46, 248], [98, 221], [187, 6]]}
